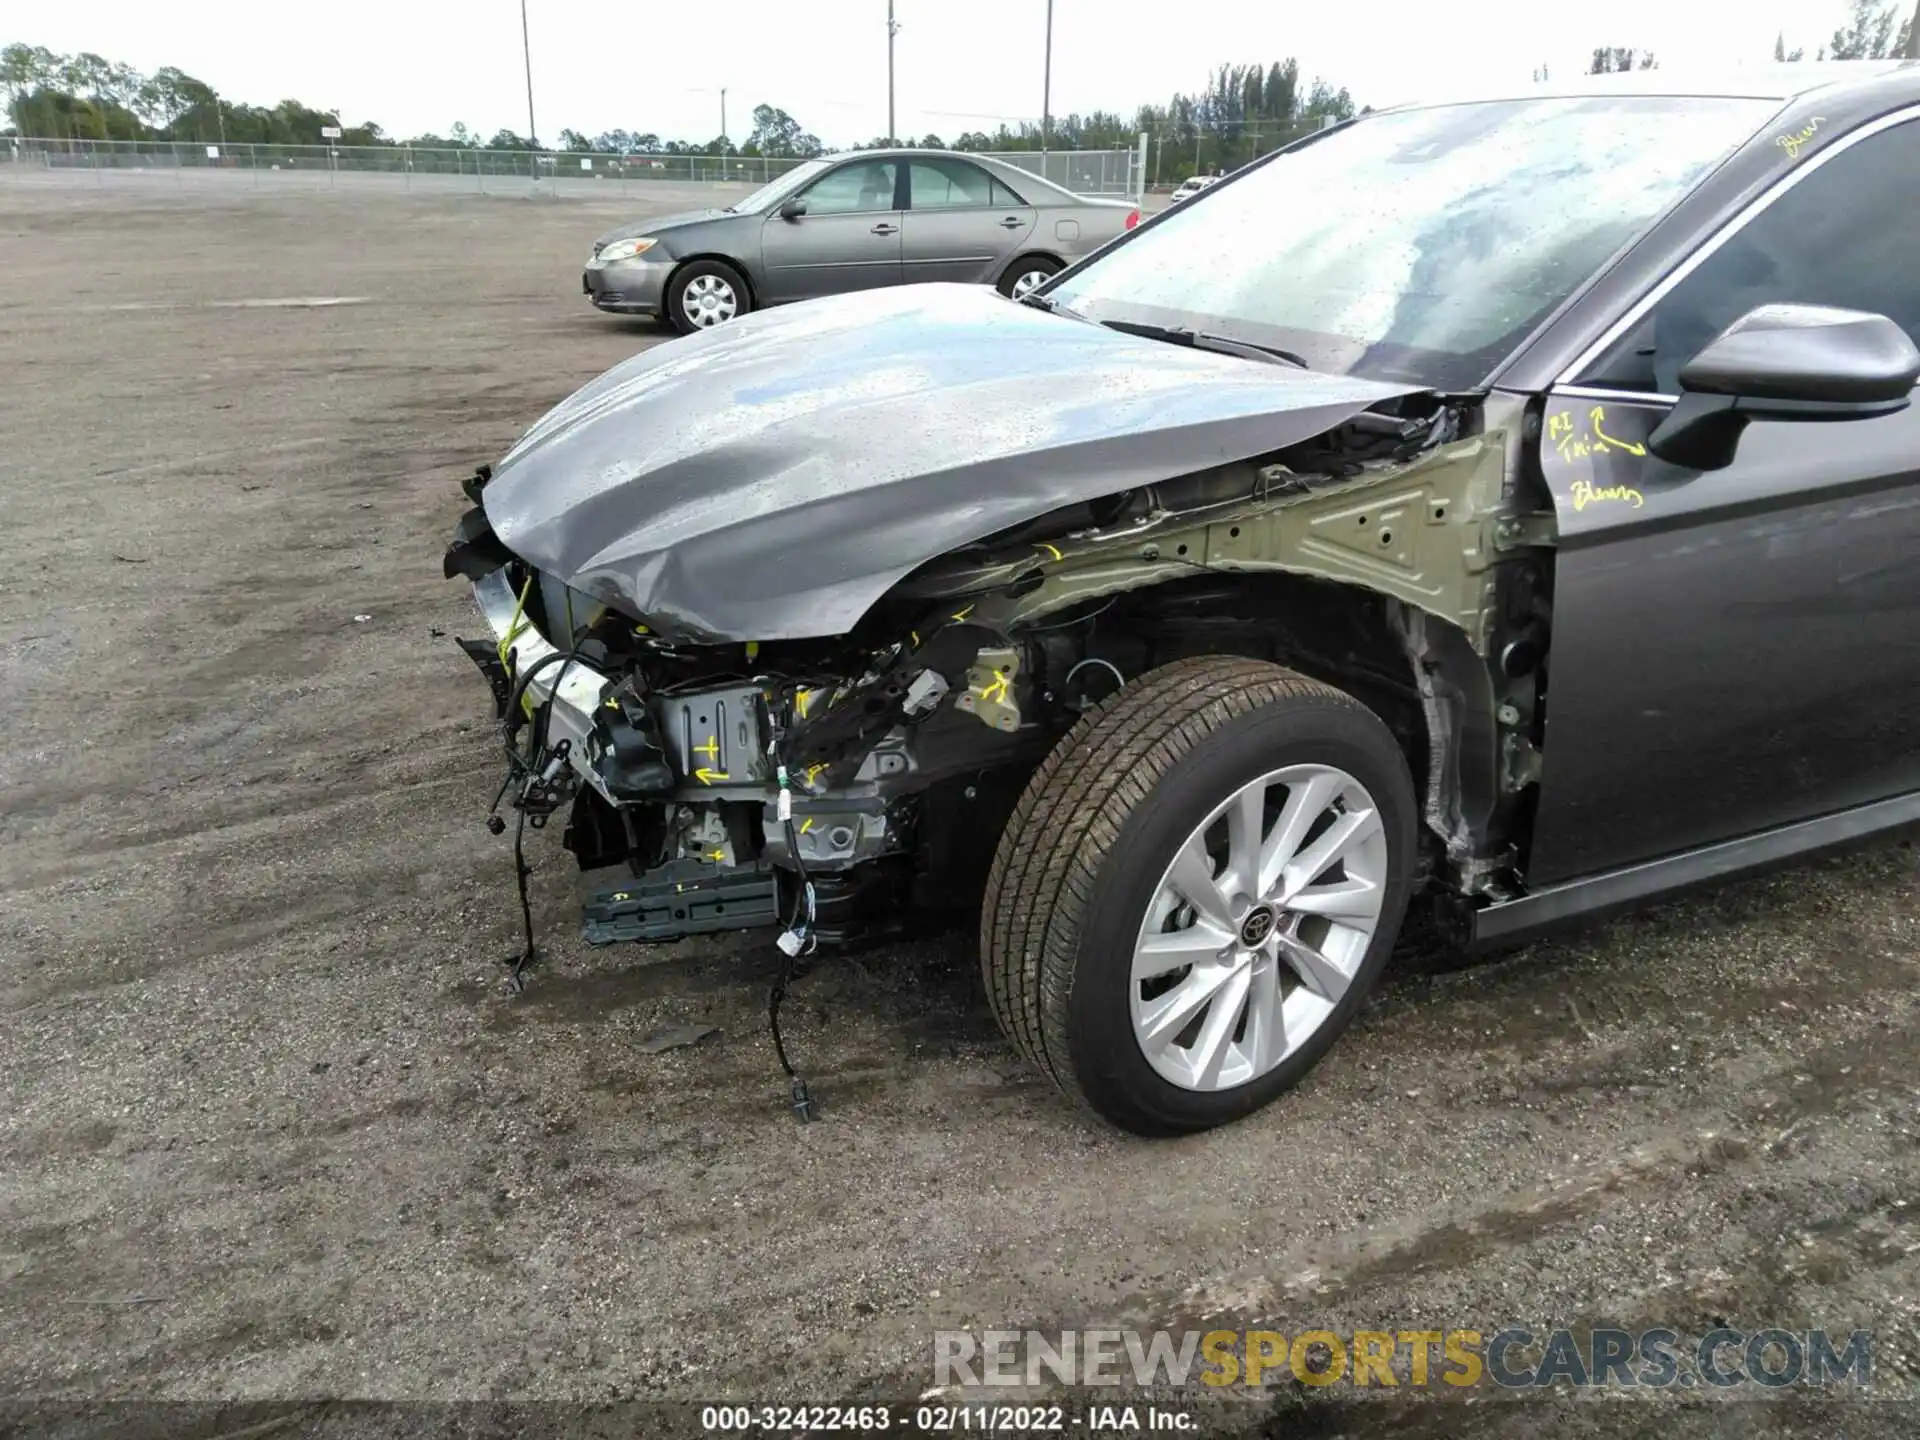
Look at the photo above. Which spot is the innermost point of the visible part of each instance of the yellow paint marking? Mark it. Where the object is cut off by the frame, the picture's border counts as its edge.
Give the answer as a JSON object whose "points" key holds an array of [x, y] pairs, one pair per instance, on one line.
{"points": [[514, 628], [707, 777], [1586, 493], [711, 749], [1793, 144], [806, 825], [963, 612], [1053, 550], [1599, 414]]}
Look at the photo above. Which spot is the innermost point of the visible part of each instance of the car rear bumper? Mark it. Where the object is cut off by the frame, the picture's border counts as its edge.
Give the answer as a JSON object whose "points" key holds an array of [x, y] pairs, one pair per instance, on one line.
{"points": [[626, 287]]}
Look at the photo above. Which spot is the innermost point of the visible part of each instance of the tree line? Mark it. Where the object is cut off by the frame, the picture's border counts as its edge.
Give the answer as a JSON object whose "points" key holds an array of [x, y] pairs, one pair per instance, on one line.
{"points": [[1243, 111]]}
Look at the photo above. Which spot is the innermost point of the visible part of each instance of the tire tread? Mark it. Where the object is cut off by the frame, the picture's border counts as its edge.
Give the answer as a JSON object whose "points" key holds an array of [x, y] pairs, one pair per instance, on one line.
{"points": [[1070, 817]]}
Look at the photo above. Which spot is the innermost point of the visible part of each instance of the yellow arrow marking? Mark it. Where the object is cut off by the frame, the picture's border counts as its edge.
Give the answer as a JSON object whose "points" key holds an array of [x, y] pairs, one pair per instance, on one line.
{"points": [[1598, 414], [963, 612], [707, 777]]}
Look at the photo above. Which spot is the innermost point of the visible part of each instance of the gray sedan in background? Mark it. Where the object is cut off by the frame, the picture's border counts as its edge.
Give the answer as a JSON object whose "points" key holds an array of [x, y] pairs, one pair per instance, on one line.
{"points": [[852, 222]]}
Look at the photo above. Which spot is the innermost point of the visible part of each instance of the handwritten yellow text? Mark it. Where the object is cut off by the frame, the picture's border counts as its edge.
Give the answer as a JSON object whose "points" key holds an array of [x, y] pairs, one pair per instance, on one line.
{"points": [[1575, 443], [1793, 144], [1586, 493]]}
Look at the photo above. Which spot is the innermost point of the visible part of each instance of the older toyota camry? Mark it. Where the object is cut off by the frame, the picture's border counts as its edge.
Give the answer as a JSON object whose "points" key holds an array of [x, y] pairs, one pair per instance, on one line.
{"points": [[1508, 506], [855, 222]]}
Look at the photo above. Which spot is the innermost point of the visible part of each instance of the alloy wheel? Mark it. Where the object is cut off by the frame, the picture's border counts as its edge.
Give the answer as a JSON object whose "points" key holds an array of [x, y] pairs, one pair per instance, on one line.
{"points": [[1258, 927]]}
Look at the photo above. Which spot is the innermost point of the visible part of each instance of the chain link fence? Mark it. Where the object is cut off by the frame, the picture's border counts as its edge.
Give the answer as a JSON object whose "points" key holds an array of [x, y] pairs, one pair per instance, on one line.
{"points": [[1089, 172], [440, 168], [1085, 172]]}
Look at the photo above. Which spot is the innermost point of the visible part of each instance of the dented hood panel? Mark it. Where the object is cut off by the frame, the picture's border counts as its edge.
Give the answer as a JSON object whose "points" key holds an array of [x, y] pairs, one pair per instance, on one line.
{"points": [[772, 478]]}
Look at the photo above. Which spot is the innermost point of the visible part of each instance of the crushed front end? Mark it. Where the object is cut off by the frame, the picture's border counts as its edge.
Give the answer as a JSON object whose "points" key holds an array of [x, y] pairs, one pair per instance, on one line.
{"points": [[817, 785]]}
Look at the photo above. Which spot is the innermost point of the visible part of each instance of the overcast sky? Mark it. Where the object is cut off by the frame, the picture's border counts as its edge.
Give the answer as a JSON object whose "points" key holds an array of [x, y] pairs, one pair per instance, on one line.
{"points": [[419, 65]]}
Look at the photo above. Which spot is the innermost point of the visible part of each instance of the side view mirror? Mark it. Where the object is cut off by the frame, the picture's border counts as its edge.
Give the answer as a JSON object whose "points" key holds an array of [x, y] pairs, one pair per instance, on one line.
{"points": [[793, 209], [1785, 362]]}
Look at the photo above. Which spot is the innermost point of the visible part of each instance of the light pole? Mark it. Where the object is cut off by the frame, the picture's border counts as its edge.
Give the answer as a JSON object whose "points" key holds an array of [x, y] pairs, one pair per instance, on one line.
{"points": [[533, 141], [1046, 94], [893, 29]]}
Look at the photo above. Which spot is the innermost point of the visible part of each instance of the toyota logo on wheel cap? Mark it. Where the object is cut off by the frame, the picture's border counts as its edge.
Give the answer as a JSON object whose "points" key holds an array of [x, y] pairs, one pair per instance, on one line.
{"points": [[1255, 929]]}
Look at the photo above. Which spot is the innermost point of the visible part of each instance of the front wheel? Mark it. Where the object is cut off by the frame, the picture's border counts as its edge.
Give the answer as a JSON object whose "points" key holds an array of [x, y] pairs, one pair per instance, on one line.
{"points": [[1197, 890], [704, 294], [1026, 275]]}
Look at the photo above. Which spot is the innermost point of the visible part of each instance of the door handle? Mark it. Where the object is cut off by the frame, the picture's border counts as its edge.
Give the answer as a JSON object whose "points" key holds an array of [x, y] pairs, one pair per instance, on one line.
{"points": [[1012, 222], [885, 229]]}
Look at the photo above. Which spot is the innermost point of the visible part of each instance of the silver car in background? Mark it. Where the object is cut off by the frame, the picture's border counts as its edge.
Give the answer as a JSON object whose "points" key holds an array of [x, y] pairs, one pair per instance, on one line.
{"points": [[852, 222]]}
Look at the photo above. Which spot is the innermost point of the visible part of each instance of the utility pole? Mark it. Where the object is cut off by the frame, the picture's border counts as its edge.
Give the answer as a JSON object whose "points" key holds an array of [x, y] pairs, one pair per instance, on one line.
{"points": [[1046, 94], [533, 142], [893, 29]]}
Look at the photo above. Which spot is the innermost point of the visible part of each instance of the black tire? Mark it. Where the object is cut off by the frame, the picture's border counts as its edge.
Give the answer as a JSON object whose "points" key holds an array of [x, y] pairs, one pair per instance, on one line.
{"points": [[1028, 265], [686, 275], [1081, 857]]}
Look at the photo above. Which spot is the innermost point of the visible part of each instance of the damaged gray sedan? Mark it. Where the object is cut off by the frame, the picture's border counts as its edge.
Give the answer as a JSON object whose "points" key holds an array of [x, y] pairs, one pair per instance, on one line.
{"points": [[1190, 618]]}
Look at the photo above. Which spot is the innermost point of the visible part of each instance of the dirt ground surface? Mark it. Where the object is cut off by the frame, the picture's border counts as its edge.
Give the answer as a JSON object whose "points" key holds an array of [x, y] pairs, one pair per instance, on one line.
{"points": [[272, 1129]]}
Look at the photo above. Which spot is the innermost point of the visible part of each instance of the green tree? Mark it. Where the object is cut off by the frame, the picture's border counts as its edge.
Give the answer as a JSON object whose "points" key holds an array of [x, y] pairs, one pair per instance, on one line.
{"points": [[1612, 60], [1870, 33]]}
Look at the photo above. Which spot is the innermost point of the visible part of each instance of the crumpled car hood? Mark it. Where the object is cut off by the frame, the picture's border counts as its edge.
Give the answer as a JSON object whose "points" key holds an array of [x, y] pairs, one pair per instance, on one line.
{"points": [[771, 478]]}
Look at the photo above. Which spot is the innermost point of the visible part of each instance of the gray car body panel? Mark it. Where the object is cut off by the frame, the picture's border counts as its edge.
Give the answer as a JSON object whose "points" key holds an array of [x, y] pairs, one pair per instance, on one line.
{"points": [[720, 491]]}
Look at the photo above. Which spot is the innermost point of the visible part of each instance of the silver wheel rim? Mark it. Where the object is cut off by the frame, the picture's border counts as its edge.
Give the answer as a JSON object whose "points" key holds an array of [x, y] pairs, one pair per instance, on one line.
{"points": [[1258, 927], [708, 300], [1028, 281]]}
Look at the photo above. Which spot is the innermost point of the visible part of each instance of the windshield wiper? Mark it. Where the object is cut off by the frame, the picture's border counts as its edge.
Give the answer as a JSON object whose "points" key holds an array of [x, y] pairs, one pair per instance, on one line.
{"points": [[1202, 340]]}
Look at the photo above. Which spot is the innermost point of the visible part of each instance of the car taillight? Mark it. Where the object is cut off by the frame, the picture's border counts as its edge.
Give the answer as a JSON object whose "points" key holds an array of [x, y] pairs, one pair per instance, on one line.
{"points": [[1133, 218]]}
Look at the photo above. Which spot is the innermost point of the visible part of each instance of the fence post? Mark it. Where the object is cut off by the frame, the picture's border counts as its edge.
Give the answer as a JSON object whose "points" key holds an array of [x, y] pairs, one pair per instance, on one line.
{"points": [[407, 160]]}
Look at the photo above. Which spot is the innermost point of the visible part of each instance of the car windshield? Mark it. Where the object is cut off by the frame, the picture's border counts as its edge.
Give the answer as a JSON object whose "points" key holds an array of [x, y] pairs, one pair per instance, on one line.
{"points": [[778, 188], [1418, 245]]}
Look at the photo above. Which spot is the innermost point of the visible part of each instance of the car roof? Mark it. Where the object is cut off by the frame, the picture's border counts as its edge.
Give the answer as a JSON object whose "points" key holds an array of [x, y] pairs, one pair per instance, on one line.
{"points": [[1782, 82], [1012, 173]]}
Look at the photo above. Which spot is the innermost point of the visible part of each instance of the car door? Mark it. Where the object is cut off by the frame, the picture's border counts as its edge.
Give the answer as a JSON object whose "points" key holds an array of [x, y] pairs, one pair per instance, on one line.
{"points": [[1736, 649], [847, 239], [960, 223]]}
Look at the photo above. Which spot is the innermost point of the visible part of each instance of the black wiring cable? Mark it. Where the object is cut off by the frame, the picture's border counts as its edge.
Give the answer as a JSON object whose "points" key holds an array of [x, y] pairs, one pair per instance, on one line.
{"points": [[802, 1100], [519, 964], [527, 768]]}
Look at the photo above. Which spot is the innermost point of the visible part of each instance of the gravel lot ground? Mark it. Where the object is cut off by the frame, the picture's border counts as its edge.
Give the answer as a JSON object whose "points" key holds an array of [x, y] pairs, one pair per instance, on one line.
{"points": [[272, 1130]]}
